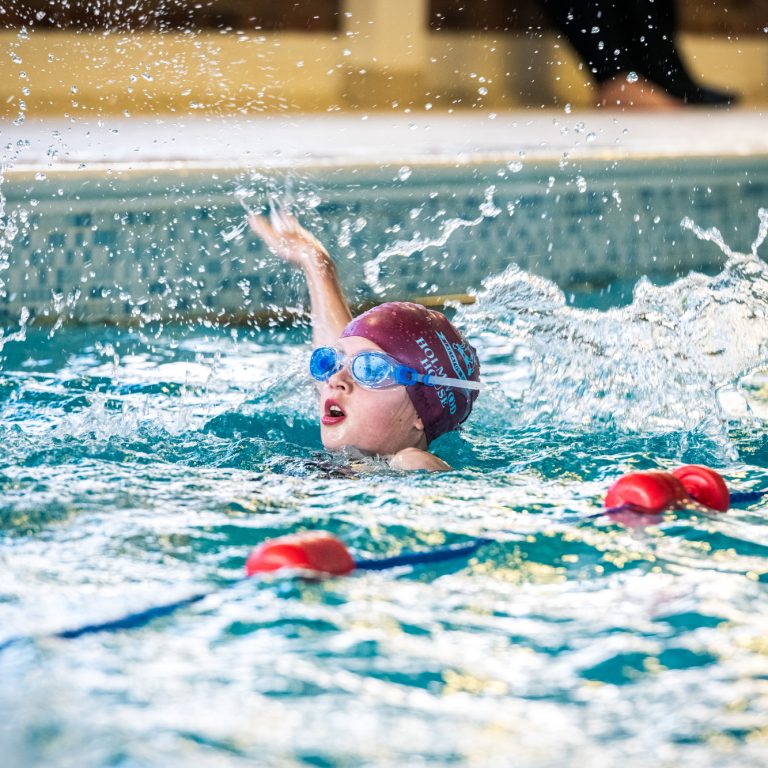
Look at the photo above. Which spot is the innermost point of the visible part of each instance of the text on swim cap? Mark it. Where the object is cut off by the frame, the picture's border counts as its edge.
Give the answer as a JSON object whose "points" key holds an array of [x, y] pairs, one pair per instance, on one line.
{"points": [[428, 363], [458, 370]]}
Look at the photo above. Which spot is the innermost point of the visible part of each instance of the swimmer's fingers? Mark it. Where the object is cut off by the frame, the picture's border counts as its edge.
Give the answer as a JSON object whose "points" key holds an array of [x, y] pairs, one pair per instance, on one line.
{"points": [[284, 222], [261, 227], [278, 223], [283, 235], [274, 238]]}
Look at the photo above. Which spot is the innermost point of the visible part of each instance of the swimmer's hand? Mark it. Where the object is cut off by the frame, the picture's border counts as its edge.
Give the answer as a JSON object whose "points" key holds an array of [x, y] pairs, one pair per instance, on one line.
{"points": [[286, 238], [415, 458]]}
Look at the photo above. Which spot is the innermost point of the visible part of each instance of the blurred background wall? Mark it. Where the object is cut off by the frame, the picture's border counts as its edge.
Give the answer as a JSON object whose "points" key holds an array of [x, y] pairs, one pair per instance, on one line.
{"points": [[218, 57]]}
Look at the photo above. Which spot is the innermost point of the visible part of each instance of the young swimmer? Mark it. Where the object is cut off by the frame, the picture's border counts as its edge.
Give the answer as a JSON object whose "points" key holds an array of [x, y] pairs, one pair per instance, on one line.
{"points": [[391, 380]]}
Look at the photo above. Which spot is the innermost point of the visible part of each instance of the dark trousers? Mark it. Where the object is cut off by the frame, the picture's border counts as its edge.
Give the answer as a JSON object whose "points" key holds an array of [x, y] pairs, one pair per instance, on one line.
{"points": [[613, 36]]}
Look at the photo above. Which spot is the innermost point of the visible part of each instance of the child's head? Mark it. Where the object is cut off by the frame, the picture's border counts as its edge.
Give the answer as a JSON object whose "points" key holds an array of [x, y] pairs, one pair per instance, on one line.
{"points": [[384, 421]]}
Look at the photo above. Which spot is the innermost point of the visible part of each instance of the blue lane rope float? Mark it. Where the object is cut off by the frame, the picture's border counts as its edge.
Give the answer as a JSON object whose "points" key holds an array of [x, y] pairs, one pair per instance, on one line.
{"points": [[318, 552]]}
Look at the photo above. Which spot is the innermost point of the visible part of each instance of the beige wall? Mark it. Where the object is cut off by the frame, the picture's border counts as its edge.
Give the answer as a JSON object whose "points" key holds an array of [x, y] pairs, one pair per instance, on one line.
{"points": [[76, 74]]}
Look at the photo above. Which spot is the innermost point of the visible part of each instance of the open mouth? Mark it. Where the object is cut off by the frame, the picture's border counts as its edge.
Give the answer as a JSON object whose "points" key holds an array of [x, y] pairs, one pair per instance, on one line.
{"points": [[333, 413]]}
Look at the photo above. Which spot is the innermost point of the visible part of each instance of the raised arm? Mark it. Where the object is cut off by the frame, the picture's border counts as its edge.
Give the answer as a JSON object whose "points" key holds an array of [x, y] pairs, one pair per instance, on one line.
{"points": [[284, 236]]}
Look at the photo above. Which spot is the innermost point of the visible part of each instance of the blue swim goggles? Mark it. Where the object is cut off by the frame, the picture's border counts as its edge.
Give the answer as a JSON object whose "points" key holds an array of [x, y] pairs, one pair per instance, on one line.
{"points": [[377, 370]]}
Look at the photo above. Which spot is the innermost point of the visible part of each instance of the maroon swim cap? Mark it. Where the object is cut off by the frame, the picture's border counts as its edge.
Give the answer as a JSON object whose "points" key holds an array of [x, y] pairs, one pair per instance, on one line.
{"points": [[425, 340]]}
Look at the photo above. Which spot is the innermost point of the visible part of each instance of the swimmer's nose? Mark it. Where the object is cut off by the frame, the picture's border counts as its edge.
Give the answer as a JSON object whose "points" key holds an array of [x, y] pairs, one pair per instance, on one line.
{"points": [[341, 380]]}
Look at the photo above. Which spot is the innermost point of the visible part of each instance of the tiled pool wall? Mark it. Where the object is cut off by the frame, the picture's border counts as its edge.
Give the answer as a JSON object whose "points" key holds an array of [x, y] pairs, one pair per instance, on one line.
{"points": [[137, 246]]}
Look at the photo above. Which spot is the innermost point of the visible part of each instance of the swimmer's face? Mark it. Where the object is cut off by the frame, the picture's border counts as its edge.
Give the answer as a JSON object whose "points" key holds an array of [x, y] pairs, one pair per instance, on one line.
{"points": [[375, 421]]}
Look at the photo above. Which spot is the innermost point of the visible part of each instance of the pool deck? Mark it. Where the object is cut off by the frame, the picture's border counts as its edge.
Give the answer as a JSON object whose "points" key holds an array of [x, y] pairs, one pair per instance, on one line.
{"points": [[65, 182], [293, 140]]}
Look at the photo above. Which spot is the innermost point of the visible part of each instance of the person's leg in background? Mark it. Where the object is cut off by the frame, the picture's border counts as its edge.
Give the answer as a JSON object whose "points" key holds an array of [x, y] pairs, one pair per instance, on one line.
{"points": [[628, 47], [657, 54]]}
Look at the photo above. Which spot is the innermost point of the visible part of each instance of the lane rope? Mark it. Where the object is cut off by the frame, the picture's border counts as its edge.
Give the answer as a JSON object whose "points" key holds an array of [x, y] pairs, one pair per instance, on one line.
{"points": [[320, 553]]}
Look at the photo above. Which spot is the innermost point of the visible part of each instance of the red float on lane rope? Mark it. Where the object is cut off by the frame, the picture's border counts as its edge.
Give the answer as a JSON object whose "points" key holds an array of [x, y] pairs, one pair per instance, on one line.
{"points": [[647, 492], [705, 486], [312, 551]]}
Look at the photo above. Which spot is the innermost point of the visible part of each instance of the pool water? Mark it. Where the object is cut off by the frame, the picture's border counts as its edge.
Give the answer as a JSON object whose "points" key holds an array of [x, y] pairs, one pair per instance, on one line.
{"points": [[139, 466]]}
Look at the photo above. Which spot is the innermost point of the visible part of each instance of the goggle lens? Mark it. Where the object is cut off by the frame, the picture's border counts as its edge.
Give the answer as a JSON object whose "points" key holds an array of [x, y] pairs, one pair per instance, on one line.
{"points": [[324, 363], [371, 369]]}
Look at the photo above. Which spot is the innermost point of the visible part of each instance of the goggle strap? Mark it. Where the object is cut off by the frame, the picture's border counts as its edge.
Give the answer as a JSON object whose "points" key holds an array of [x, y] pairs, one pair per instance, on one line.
{"points": [[432, 381]]}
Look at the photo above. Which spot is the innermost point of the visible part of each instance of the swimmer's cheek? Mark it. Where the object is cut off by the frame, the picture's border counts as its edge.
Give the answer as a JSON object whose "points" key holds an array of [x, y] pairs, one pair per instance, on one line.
{"points": [[414, 458]]}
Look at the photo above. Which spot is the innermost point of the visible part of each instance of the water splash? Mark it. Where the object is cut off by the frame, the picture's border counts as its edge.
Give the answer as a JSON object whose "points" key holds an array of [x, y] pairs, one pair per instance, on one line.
{"points": [[372, 269], [712, 235], [20, 335], [657, 365], [762, 231]]}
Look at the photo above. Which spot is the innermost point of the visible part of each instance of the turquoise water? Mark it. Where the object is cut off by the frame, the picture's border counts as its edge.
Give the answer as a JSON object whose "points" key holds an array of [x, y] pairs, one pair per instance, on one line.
{"points": [[139, 466]]}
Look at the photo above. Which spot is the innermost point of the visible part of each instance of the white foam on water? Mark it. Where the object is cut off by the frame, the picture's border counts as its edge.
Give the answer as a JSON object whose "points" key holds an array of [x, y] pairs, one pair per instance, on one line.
{"points": [[659, 364]]}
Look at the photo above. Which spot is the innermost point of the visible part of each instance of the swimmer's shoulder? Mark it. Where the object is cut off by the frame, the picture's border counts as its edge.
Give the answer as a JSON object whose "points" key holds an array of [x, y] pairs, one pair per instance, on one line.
{"points": [[415, 458]]}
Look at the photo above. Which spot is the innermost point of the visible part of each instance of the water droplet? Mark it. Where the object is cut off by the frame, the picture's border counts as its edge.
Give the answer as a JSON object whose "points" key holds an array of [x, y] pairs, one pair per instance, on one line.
{"points": [[483, 91], [632, 77], [581, 184], [591, 136], [404, 173], [515, 166]]}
